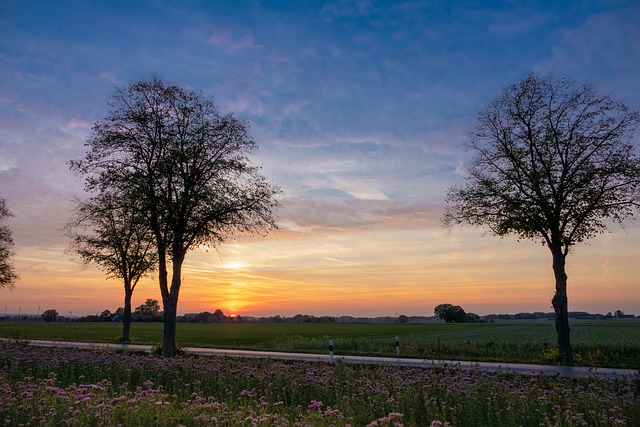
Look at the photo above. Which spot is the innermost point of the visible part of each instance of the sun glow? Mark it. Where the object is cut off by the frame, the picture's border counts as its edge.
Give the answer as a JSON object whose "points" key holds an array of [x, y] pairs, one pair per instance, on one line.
{"points": [[233, 265]]}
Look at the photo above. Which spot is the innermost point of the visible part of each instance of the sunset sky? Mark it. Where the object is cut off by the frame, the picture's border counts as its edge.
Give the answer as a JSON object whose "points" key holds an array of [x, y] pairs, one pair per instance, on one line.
{"points": [[360, 110]]}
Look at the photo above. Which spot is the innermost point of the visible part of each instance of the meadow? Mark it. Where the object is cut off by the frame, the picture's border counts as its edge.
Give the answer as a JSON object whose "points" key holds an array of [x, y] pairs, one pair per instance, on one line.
{"points": [[601, 343], [73, 387]]}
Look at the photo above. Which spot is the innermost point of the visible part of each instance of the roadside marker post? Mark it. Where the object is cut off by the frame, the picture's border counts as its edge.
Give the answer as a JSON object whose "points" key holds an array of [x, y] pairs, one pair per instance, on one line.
{"points": [[397, 347], [330, 352]]}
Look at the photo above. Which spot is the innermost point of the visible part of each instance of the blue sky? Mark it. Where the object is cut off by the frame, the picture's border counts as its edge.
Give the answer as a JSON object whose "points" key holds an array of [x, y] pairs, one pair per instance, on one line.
{"points": [[360, 109]]}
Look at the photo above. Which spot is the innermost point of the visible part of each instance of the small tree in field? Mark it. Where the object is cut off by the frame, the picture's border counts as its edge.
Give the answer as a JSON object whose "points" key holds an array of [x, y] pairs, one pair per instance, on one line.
{"points": [[187, 166], [109, 230], [553, 162], [450, 313], [8, 275], [150, 308], [50, 315]]}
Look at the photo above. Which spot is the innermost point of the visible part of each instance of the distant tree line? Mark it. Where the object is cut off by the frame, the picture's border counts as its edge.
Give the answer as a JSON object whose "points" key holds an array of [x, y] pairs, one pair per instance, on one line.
{"points": [[150, 311], [618, 314], [219, 317], [456, 314]]}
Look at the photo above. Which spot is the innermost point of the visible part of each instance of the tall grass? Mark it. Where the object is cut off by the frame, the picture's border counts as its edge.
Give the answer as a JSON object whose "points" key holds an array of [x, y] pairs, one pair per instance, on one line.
{"points": [[86, 388]]}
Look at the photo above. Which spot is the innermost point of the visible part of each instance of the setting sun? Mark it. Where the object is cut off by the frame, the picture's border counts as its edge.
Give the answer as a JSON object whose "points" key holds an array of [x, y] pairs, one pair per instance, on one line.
{"points": [[232, 265]]}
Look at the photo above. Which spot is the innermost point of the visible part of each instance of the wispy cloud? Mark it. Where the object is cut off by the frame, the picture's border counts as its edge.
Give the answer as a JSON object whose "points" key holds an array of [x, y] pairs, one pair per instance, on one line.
{"points": [[75, 123], [603, 49], [520, 23], [233, 42]]}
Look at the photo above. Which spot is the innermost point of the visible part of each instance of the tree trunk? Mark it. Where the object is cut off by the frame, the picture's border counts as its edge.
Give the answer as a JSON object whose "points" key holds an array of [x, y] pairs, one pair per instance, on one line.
{"points": [[167, 305], [126, 321], [561, 305], [169, 334], [171, 309]]}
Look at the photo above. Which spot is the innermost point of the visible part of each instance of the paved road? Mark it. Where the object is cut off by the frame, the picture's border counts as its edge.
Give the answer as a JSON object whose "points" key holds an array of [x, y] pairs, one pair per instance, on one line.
{"points": [[520, 368]]}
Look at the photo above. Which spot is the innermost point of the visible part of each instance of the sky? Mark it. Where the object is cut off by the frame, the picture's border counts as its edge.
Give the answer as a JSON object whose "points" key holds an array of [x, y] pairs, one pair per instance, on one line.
{"points": [[360, 110]]}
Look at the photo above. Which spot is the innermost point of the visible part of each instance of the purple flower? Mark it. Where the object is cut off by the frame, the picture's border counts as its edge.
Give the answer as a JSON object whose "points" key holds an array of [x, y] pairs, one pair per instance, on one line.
{"points": [[314, 404]]}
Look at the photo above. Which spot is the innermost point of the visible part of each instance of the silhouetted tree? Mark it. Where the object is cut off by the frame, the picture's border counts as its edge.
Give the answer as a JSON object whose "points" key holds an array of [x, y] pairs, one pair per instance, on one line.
{"points": [[471, 318], [402, 319], [189, 169], [203, 317], [450, 313], [109, 230], [553, 162], [50, 315], [150, 308], [8, 274], [218, 316]]}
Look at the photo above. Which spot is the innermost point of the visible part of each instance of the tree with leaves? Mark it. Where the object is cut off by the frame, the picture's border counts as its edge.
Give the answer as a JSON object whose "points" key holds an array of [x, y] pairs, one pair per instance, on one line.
{"points": [[8, 274], [108, 230], [150, 308], [189, 168], [553, 162], [450, 313], [50, 315]]}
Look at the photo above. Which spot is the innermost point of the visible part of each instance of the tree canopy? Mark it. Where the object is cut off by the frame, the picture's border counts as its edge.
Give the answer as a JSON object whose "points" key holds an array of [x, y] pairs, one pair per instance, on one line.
{"points": [[450, 313], [553, 161], [50, 315], [151, 308], [8, 275], [109, 230]]}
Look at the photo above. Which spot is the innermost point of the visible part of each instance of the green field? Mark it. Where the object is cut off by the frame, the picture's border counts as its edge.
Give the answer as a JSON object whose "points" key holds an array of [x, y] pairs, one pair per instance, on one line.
{"points": [[614, 343]]}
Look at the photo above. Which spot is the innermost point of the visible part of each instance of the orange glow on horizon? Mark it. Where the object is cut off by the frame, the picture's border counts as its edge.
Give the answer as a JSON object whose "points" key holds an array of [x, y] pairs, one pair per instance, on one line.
{"points": [[348, 275]]}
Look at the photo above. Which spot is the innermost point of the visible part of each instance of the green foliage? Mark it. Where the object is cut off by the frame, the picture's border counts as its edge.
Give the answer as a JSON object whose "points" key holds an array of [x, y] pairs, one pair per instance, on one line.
{"points": [[553, 356], [156, 349], [118, 339]]}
